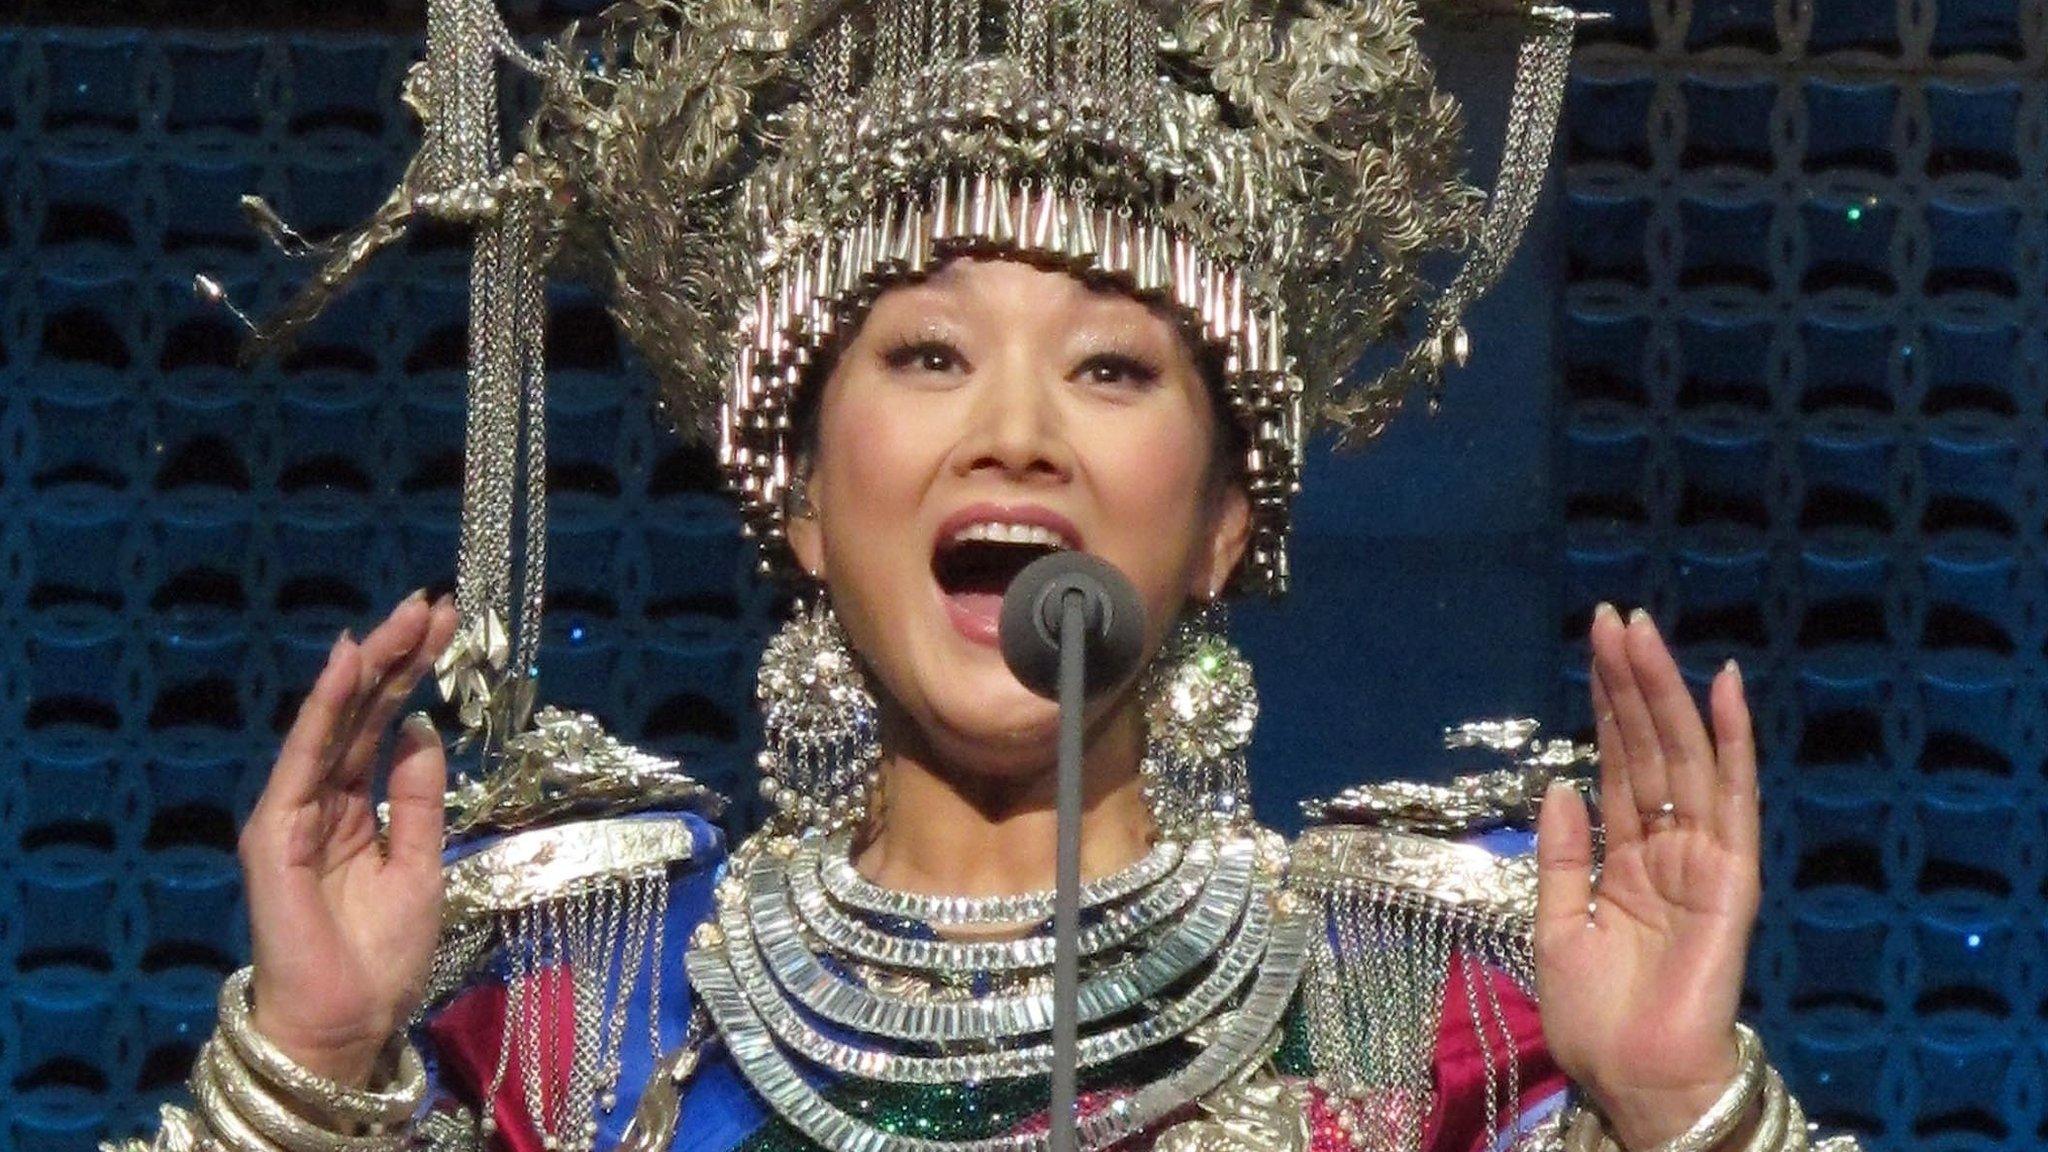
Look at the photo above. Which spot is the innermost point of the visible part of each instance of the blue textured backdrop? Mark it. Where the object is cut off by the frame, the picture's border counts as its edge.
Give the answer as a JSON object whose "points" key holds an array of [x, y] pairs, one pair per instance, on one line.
{"points": [[1773, 365]]}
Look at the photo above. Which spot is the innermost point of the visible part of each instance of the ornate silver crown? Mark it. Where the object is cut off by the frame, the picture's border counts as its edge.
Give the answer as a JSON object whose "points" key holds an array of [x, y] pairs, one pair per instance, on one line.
{"points": [[745, 176]]}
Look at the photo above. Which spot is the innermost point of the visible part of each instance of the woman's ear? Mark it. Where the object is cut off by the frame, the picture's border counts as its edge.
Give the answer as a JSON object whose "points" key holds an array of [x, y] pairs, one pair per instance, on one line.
{"points": [[801, 524], [1230, 530]]}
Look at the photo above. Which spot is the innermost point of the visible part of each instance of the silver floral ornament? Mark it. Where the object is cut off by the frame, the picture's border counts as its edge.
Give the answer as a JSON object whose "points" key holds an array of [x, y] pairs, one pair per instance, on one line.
{"points": [[819, 720], [1202, 707]]}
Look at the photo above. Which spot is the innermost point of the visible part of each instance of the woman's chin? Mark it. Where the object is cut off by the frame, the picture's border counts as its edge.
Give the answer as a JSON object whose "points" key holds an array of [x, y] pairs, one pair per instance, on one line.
{"points": [[997, 726]]}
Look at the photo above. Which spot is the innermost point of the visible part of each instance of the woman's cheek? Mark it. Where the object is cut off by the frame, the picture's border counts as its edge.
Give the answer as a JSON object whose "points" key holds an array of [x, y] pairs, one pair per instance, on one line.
{"points": [[1153, 485]]}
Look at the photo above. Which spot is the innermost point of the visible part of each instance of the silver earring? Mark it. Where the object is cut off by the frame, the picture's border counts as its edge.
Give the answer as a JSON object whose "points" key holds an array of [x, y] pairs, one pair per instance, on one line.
{"points": [[1200, 709], [821, 748]]}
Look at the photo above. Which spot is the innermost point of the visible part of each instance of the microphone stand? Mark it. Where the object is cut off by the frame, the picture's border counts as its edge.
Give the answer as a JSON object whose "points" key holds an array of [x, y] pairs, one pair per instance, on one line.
{"points": [[1066, 908], [1049, 613]]}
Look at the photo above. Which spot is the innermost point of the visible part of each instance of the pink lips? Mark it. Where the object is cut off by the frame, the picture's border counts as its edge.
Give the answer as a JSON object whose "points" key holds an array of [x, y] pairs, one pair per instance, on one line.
{"points": [[977, 615]]}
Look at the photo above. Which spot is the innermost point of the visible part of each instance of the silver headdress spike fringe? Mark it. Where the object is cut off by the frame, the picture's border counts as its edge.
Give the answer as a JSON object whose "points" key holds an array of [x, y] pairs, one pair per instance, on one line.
{"points": [[750, 174]]}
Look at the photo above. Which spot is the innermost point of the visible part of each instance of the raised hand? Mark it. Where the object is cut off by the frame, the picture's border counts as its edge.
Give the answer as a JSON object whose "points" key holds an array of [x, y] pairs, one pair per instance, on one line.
{"points": [[1639, 974], [344, 920]]}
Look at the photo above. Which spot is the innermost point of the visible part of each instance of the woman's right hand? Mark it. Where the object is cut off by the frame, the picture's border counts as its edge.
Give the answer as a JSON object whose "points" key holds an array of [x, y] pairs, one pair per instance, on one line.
{"points": [[344, 920]]}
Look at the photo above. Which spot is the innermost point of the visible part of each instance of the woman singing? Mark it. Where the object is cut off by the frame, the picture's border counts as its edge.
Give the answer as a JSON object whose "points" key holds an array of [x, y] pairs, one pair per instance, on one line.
{"points": [[954, 285]]}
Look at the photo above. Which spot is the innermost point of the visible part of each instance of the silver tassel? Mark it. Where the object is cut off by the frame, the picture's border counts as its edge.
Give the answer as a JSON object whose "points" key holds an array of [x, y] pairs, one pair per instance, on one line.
{"points": [[1541, 72], [606, 941], [460, 95], [1376, 1000], [488, 672]]}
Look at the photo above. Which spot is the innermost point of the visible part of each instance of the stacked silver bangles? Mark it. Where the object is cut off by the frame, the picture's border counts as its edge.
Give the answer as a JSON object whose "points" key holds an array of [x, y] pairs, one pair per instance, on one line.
{"points": [[1780, 1127], [253, 1098]]}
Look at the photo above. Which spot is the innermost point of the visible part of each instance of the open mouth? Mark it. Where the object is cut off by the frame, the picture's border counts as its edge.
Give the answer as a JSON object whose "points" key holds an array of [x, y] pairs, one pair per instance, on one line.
{"points": [[975, 564]]}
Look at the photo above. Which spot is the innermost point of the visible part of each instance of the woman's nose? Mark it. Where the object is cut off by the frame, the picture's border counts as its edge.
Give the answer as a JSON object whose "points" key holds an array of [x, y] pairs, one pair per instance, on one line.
{"points": [[1018, 427]]}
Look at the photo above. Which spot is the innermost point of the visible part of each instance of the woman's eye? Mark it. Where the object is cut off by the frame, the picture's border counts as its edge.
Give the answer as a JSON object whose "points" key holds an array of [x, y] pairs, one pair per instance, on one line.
{"points": [[1118, 371], [923, 356]]}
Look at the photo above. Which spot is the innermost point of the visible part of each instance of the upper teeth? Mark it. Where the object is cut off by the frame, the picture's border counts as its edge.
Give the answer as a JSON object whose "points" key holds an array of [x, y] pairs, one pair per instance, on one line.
{"points": [[1011, 534]]}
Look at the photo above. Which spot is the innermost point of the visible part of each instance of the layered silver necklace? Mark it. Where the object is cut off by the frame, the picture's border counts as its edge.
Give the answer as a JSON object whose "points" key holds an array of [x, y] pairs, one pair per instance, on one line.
{"points": [[809, 968]]}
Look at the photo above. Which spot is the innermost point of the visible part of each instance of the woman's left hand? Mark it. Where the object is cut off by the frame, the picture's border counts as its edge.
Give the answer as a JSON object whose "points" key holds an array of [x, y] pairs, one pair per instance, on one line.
{"points": [[1639, 975]]}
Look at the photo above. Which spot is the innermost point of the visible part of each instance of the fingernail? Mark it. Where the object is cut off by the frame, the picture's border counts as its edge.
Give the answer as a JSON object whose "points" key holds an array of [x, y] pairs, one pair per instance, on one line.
{"points": [[1638, 616], [1604, 610], [422, 725], [417, 594], [339, 637], [1733, 669]]}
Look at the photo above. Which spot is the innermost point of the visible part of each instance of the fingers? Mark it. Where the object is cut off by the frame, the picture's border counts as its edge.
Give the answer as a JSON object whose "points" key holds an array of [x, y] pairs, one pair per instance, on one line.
{"points": [[392, 666], [1642, 758], [419, 780], [1564, 858], [1738, 818], [1617, 800], [1670, 761], [1642, 706], [300, 760], [1681, 735]]}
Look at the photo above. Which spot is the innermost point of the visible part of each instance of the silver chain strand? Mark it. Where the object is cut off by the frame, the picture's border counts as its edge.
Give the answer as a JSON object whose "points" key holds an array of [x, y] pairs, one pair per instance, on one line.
{"points": [[849, 887], [1541, 70], [1482, 1031], [532, 328], [637, 900], [1512, 1098], [525, 1010]]}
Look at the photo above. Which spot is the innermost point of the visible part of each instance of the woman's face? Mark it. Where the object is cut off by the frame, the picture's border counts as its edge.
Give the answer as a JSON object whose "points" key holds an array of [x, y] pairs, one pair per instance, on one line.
{"points": [[978, 419]]}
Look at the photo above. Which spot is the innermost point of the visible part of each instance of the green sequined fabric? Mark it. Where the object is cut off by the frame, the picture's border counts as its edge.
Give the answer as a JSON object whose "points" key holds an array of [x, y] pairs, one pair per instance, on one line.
{"points": [[959, 1111], [1293, 1057]]}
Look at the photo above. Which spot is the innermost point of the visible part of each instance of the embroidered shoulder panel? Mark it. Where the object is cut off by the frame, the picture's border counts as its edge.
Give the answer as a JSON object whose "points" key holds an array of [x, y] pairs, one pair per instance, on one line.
{"points": [[491, 882], [1395, 865]]}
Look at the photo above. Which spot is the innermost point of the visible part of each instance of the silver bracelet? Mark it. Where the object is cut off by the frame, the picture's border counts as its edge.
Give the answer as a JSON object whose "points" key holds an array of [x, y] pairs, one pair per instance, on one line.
{"points": [[1774, 1126], [391, 1106], [1587, 1131], [1727, 1112], [226, 1125], [274, 1119]]}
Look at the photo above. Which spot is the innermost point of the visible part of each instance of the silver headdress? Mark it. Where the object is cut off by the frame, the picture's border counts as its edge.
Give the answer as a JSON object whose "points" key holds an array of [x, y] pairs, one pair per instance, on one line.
{"points": [[746, 176]]}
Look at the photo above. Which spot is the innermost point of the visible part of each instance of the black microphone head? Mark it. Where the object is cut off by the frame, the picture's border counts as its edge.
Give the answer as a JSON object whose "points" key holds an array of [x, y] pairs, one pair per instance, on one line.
{"points": [[1114, 622]]}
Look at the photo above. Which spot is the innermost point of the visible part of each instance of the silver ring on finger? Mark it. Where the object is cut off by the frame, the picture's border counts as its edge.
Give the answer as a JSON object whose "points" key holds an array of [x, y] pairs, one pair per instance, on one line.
{"points": [[1662, 816]]}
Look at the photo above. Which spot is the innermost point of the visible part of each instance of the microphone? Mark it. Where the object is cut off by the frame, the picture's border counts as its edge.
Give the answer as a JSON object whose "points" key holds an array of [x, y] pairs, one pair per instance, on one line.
{"points": [[1071, 627], [1113, 622]]}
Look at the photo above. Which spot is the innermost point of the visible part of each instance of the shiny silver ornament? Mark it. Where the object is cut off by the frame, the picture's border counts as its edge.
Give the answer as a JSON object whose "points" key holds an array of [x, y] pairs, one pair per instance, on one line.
{"points": [[819, 720], [1201, 707]]}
